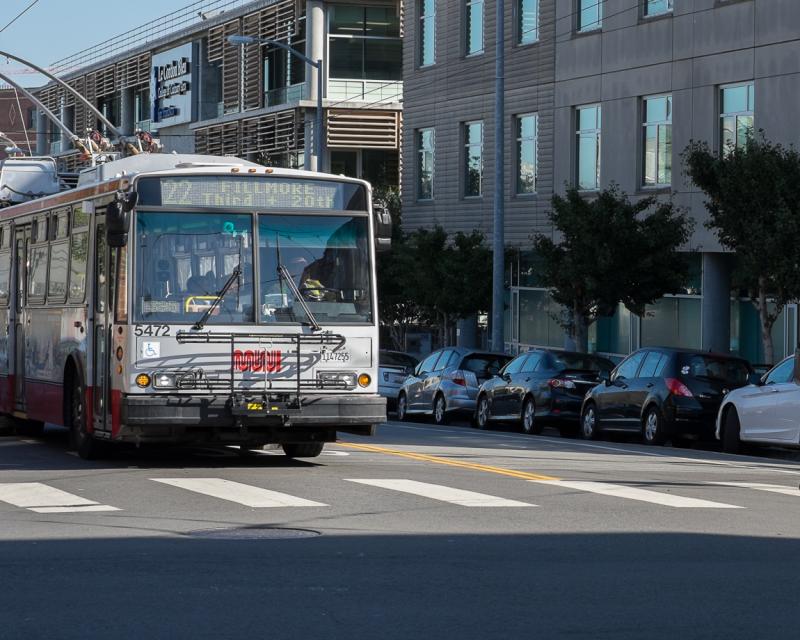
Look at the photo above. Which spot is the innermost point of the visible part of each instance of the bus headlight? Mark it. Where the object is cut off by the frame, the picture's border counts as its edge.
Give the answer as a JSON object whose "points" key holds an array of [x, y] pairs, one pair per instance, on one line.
{"points": [[337, 379], [163, 380]]}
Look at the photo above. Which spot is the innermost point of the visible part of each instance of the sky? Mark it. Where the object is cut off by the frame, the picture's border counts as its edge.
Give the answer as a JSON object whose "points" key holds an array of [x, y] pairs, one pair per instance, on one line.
{"points": [[54, 29]]}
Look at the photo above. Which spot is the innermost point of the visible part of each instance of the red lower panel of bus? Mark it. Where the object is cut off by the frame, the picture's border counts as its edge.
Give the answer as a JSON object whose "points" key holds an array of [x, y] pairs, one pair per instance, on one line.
{"points": [[7, 387], [116, 405], [45, 401]]}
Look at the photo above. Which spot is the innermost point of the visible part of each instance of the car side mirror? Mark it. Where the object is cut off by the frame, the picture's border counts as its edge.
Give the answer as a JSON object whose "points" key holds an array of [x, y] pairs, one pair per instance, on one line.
{"points": [[604, 376], [755, 379]]}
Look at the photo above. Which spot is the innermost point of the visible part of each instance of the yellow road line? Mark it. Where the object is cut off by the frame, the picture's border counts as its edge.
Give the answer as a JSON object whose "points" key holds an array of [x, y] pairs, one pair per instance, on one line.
{"points": [[422, 457]]}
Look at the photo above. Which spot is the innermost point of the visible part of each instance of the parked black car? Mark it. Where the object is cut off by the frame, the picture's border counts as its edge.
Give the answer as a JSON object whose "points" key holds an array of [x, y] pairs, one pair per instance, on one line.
{"points": [[663, 393], [540, 386]]}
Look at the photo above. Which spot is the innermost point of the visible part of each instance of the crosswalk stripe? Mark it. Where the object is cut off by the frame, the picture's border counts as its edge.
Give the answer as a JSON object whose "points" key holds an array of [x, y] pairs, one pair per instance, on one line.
{"points": [[243, 494], [632, 493], [442, 493], [760, 486], [82, 509], [43, 498]]}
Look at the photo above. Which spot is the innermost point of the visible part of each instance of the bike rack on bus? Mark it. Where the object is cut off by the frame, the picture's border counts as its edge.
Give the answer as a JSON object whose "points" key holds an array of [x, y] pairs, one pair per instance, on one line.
{"points": [[268, 405]]}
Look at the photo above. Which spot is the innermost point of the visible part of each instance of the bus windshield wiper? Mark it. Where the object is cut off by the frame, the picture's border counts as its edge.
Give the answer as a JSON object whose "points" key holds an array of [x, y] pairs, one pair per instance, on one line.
{"points": [[283, 273], [237, 272]]}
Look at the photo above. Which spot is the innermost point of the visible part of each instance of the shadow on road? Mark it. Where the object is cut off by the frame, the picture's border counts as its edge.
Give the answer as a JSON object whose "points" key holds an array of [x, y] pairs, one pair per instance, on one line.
{"points": [[616, 586]]}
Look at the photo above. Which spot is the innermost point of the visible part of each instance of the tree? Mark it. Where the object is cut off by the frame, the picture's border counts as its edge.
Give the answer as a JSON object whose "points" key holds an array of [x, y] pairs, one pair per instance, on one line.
{"points": [[753, 200], [611, 251]]}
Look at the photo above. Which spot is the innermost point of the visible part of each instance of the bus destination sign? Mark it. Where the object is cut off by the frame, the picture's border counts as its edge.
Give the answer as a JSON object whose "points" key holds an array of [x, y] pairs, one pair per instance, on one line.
{"points": [[250, 192]]}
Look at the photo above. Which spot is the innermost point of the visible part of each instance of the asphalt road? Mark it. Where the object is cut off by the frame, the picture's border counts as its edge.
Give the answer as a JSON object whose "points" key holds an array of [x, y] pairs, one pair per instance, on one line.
{"points": [[421, 531]]}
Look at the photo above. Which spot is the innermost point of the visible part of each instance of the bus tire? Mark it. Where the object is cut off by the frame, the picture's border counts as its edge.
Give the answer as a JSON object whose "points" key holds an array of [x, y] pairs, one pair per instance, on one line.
{"points": [[80, 439], [303, 449]]}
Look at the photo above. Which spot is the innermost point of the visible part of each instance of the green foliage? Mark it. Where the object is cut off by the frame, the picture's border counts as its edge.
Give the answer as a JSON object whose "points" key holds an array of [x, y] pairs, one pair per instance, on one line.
{"points": [[429, 278], [610, 251], [753, 201]]}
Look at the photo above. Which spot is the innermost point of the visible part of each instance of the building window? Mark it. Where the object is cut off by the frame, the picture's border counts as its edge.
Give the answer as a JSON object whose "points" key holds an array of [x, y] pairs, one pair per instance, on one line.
{"points": [[527, 21], [527, 138], [364, 43], [426, 149], [473, 159], [588, 147], [657, 165], [474, 26], [590, 14], [657, 7], [737, 104], [427, 32]]}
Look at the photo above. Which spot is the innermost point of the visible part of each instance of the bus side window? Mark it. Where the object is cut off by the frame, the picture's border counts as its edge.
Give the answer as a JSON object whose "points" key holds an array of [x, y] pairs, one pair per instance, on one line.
{"points": [[37, 280], [79, 250], [5, 276], [57, 284]]}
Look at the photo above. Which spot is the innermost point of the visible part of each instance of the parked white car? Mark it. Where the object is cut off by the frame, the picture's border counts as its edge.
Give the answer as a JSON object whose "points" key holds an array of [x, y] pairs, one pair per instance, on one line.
{"points": [[767, 412]]}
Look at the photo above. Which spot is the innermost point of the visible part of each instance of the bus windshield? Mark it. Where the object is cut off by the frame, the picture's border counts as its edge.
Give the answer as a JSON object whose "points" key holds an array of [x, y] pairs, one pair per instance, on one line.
{"points": [[185, 259], [328, 259]]}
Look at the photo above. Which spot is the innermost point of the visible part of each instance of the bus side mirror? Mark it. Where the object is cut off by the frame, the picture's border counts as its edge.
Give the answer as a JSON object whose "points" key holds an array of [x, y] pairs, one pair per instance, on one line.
{"points": [[118, 218], [383, 228]]}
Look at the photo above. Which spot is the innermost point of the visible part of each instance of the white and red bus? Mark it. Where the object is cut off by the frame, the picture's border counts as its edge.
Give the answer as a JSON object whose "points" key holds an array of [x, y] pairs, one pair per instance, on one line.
{"points": [[193, 299]]}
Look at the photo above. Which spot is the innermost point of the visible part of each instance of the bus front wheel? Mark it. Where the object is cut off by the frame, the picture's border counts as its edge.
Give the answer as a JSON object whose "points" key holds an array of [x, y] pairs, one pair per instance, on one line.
{"points": [[302, 449], [80, 439]]}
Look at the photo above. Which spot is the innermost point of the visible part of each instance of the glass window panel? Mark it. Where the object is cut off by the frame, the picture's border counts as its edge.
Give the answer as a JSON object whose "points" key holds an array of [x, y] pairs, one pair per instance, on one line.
{"points": [[629, 367], [587, 162], [426, 159], [57, 286], [781, 373], [383, 59], [734, 99], [590, 14], [382, 22], [744, 129], [38, 272], [751, 97], [587, 118], [427, 32], [473, 133], [346, 58], [348, 20], [650, 154], [656, 109], [79, 250], [528, 12], [665, 154], [474, 26], [650, 365], [5, 275], [654, 7]]}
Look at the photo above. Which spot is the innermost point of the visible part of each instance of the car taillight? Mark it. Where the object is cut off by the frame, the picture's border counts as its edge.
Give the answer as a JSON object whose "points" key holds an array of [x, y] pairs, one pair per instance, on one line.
{"points": [[677, 388], [559, 383], [460, 381]]}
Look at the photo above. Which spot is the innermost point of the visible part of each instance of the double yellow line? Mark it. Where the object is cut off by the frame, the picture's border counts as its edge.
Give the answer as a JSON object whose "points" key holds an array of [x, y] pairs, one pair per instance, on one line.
{"points": [[422, 457]]}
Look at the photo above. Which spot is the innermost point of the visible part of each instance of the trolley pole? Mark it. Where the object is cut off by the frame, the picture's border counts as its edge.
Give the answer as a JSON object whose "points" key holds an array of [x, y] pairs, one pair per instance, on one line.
{"points": [[498, 231]]}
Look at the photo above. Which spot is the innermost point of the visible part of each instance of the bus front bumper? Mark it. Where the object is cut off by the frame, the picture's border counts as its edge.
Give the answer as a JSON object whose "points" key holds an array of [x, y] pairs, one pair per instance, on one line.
{"points": [[182, 417]]}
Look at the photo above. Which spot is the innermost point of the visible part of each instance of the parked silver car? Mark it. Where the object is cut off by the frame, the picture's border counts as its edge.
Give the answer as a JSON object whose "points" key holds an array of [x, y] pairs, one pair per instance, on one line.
{"points": [[393, 368], [447, 382]]}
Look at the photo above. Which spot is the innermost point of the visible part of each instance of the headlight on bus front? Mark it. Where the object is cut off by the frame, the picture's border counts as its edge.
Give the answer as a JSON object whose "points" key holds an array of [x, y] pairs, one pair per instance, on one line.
{"points": [[337, 379], [163, 380]]}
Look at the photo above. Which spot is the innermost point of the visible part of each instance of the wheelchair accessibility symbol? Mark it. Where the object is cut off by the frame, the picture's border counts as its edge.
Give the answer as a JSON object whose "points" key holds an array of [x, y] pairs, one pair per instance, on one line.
{"points": [[151, 349]]}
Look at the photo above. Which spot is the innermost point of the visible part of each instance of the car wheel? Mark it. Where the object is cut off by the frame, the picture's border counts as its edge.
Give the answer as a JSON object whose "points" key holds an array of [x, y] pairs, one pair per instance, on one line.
{"points": [[439, 410], [731, 430], [402, 407], [530, 424], [482, 413], [653, 427], [589, 422]]}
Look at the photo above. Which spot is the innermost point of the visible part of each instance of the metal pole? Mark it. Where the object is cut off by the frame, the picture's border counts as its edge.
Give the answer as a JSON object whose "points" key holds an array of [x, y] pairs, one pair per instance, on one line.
{"points": [[318, 124], [498, 238], [73, 138], [67, 87]]}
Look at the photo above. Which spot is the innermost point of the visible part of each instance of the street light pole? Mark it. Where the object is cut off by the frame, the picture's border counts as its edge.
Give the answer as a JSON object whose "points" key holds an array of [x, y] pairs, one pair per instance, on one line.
{"points": [[316, 64], [498, 231]]}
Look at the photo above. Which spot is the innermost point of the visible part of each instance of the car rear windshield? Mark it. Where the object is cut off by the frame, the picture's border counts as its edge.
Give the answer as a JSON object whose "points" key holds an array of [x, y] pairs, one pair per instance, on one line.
{"points": [[582, 362], [393, 359], [484, 364], [728, 370]]}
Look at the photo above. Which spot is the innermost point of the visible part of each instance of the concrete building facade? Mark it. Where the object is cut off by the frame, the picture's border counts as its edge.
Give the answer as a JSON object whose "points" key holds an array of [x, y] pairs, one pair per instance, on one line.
{"points": [[197, 92], [597, 92]]}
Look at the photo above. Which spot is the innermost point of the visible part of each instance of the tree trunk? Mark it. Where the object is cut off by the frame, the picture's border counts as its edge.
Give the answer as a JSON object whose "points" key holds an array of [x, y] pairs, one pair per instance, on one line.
{"points": [[766, 322], [580, 331]]}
